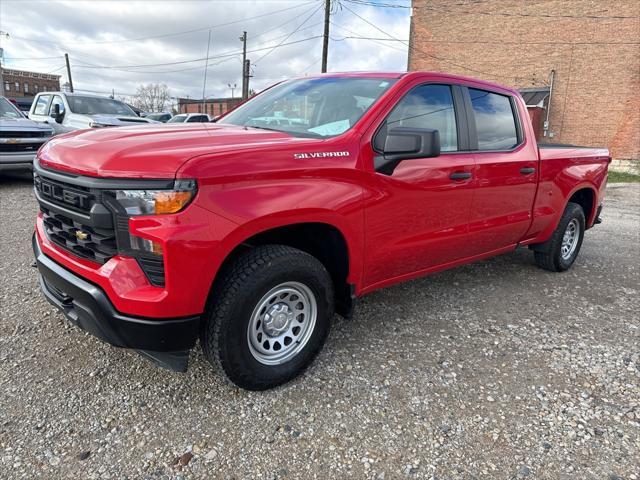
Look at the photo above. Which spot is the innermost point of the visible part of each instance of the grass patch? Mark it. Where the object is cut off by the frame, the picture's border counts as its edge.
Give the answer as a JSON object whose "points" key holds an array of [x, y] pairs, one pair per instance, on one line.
{"points": [[623, 177]]}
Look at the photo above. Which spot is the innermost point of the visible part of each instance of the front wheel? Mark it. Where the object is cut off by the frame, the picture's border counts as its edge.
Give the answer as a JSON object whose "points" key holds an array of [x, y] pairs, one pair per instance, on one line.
{"points": [[269, 317], [559, 252]]}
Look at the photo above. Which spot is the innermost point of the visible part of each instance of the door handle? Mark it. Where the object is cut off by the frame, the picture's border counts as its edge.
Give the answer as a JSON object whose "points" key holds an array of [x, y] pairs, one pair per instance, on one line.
{"points": [[527, 170], [460, 176]]}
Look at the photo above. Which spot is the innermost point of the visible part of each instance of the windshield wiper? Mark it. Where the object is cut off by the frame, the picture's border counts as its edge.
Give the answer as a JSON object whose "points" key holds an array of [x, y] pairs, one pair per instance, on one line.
{"points": [[294, 133]]}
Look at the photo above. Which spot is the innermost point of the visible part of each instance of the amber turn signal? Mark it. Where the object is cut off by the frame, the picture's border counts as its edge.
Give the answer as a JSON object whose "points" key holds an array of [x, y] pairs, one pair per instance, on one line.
{"points": [[171, 202]]}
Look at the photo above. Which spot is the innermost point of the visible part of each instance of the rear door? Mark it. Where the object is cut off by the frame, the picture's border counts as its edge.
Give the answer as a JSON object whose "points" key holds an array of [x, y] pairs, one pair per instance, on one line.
{"points": [[506, 170]]}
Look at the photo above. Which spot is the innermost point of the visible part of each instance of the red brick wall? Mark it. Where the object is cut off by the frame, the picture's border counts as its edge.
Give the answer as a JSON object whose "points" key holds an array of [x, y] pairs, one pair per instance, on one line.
{"points": [[596, 99], [213, 108]]}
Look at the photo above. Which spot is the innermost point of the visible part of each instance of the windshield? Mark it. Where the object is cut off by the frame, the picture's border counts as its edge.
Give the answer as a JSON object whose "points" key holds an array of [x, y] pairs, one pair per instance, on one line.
{"points": [[156, 116], [7, 110], [178, 119], [97, 105], [316, 107]]}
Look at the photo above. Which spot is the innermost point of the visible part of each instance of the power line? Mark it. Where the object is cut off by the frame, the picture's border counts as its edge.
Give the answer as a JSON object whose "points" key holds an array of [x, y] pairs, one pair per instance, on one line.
{"points": [[446, 60], [500, 42], [370, 3], [288, 36], [182, 62], [151, 37]]}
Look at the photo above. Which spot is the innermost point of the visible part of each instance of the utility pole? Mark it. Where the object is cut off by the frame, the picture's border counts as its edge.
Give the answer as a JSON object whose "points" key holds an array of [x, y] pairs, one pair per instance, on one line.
{"points": [[1, 78], [232, 87], [206, 66], [6, 35], [325, 38], [245, 72], [66, 59], [245, 78]]}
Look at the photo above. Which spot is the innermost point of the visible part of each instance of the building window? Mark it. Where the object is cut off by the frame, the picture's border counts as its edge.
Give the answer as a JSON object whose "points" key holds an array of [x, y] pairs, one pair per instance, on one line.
{"points": [[35, 87], [7, 87], [17, 86], [26, 87]]}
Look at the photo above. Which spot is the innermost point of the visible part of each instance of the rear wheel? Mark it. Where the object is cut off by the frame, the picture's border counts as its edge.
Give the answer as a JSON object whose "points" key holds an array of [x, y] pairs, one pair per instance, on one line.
{"points": [[559, 252], [269, 317]]}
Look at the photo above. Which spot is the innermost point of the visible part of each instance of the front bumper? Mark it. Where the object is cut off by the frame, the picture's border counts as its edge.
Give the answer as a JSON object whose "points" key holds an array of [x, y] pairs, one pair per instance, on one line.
{"points": [[16, 161], [166, 342]]}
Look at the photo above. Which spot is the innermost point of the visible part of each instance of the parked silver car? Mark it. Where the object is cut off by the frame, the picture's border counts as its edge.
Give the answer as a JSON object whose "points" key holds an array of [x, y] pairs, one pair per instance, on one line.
{"points": [[66, 112], [20, 138]]}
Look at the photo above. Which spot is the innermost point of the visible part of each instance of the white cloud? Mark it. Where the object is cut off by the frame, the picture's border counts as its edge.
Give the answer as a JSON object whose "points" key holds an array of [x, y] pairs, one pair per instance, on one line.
{"points": [[93, 33]]}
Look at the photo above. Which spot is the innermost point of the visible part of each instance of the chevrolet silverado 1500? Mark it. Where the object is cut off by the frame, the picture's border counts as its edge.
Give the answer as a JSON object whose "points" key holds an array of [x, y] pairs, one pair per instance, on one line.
{"points": [[249, 233]]}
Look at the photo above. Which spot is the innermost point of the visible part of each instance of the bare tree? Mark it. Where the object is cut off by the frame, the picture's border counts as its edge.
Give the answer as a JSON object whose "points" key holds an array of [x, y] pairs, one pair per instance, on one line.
{"points": [[153, 97]]}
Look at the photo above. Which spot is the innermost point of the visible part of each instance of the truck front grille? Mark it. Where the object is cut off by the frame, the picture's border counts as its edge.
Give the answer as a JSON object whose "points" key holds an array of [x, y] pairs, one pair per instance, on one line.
{"points": [[81, 216], [20, 147], [82, 240], [25, 134]]}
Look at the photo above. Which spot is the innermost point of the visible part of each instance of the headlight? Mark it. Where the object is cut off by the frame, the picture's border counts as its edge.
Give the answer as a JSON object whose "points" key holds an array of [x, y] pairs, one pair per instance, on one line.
{"points": [[157, 202], [98, 125]]}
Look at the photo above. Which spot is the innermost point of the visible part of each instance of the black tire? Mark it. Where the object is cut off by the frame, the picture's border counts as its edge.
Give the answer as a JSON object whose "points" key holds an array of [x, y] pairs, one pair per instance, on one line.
{"points": [[548, 255], [224, 333]]}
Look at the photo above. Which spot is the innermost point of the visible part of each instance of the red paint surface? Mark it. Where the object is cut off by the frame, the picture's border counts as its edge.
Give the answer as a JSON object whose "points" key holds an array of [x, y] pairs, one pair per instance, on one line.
{"points": [[396, 227]]}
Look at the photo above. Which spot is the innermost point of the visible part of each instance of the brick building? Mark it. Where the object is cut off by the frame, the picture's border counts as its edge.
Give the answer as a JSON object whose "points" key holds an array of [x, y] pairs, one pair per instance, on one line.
{"points": [[212, 106], [592, 47], [20, 84]]}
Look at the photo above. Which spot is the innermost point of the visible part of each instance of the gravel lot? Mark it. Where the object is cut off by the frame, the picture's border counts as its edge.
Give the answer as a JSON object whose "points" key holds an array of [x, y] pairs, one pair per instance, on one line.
{"points": [[493, 370]]}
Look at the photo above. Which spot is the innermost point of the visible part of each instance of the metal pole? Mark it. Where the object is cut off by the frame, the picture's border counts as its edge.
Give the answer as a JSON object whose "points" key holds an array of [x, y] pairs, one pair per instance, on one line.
{"points": [[245, 73], [545, 127], [66, 59], [325, 38], [206, 65], [1, 78]]}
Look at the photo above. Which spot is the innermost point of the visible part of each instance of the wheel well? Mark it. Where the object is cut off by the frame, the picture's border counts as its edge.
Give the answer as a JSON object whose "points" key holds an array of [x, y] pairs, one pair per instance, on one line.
{"points": [[323, 241], [584, 198]]}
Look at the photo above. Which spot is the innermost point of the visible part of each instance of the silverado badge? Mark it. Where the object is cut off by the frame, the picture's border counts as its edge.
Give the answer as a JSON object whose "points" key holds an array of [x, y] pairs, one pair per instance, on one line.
{"points": [[80, 235]]}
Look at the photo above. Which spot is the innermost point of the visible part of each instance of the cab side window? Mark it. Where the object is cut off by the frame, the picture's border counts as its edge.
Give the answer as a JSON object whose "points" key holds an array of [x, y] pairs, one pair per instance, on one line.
{"points": [[428, 106], [41, 105], [495, 121]]}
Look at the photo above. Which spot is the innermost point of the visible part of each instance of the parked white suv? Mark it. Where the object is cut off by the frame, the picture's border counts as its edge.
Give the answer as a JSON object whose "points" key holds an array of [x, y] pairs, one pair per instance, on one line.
{"points": [[190, 118], [66, 112]]}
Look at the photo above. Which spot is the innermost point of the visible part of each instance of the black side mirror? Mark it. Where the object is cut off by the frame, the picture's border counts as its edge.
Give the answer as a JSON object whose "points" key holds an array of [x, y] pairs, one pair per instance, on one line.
{"points": [[57, 115], [404, 143]]}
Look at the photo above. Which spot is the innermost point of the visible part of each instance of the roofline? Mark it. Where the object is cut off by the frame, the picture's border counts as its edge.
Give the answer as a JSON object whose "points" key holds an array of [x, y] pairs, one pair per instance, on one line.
{"points": [[208, 100]]}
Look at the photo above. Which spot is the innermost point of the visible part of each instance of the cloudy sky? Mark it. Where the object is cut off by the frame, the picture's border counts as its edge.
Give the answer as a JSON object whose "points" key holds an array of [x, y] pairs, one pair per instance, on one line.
{"points": [[122, 44]]}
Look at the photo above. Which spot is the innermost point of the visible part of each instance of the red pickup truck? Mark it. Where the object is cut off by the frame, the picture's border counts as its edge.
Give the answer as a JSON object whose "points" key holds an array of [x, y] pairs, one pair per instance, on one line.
{"points": [[250, 232]]}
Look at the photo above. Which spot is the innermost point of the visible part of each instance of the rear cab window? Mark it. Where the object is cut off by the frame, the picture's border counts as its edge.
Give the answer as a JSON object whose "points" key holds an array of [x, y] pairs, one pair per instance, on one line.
{"points": [[495, 120]]}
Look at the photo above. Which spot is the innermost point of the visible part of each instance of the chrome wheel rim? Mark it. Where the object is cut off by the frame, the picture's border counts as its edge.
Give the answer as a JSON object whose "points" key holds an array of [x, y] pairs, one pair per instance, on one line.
{"points": [[282, 323], [570, 239]]}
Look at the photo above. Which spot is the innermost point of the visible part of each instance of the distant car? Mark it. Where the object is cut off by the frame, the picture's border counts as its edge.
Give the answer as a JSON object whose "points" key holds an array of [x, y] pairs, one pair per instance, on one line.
{"points": [[23, 104], [159, 117], [66, 112], [190, 118], [20, 138]]}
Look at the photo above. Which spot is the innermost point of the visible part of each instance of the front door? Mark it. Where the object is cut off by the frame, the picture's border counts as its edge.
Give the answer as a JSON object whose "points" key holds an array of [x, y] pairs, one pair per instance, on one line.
{"points": [[417, 217]]}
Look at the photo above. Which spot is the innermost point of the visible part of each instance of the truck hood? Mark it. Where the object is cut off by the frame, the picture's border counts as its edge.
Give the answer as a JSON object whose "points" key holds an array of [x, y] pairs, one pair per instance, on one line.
{"points": [[23, 125], [149, 151], [115, 120]]}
